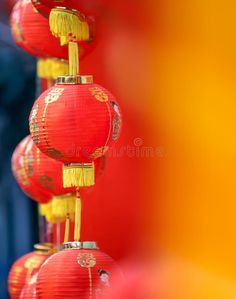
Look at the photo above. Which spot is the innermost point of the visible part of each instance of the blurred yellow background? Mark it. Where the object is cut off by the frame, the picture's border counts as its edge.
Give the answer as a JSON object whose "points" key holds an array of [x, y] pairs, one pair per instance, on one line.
{"points": [[176, 66]]}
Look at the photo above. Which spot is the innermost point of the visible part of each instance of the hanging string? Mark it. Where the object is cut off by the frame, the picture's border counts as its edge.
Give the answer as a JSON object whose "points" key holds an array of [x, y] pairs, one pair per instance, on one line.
{"points": [[77, 216]]}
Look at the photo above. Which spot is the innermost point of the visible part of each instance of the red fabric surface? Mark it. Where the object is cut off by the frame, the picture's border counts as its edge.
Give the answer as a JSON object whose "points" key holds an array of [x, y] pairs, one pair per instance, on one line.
{"points": [[32, 33], [65, 275], [22, 270], [75, 123], [22, 169]]}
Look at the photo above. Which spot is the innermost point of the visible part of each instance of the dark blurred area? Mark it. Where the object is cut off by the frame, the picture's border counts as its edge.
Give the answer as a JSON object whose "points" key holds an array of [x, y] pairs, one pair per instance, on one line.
{"points": [[18, 214]]}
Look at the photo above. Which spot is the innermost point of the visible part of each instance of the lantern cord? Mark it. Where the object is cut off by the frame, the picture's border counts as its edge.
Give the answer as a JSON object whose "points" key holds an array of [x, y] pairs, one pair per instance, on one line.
{"points": [[77, 217], [67, 228], [58, 229], [73, 57]]}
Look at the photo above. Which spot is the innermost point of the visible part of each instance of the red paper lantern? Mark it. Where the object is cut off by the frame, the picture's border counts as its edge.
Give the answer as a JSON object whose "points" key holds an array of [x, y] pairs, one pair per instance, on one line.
{"points": [[32, 33], [29, 290], [48, 172], [25, 267], [79, 271], [75, 122], [23, 172]]}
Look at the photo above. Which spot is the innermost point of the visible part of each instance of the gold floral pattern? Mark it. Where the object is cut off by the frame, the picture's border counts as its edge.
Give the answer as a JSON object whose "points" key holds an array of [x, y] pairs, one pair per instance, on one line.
{"points": [[53, 95], [99, 152], [99, 94], [86, 260]]}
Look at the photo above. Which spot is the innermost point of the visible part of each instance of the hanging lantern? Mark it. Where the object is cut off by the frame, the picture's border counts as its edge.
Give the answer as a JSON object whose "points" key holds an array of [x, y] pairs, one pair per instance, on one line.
{"points": [[25, 267], [32, 33], [23, 172], [80, 270], [75, 122], [70, 25], [29, 290]]}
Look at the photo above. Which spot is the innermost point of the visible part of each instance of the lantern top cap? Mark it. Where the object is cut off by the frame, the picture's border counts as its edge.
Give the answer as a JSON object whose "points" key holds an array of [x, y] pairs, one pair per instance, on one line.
{"points": [[74, 80], [79, 245], [44, 248]]}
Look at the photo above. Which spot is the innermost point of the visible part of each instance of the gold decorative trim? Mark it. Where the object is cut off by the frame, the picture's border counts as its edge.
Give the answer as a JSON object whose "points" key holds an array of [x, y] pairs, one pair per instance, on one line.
{"points": [[74, 80]]}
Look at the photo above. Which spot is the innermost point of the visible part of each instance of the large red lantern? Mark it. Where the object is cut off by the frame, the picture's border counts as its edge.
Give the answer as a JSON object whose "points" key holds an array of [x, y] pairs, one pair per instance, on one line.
{"points": [[29, 290], [25, 267], [22, 170], [75, 122], [79, 271]]}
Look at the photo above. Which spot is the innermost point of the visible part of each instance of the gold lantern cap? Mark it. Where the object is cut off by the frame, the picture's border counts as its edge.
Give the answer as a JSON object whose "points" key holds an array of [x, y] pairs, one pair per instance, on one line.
{"points": [[45, 248], [79, 245], [75, 80]]}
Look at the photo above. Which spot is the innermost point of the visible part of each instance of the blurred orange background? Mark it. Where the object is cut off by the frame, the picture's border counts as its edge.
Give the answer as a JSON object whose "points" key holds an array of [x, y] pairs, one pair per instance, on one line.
{"points": [[172, 191]]}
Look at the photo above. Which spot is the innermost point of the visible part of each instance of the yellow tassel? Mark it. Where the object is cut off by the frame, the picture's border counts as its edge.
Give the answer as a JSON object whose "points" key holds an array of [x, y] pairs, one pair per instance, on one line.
{"points": [[67, 229], [63, 205], [78, 175], [64, 22], [73, 58], [77, 218], [59, 67], [46, 211], [51, 68]]}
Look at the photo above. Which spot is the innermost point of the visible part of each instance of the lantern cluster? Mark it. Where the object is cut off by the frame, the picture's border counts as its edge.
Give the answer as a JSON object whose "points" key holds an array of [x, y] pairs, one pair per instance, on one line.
{"points": [[73, 123]]}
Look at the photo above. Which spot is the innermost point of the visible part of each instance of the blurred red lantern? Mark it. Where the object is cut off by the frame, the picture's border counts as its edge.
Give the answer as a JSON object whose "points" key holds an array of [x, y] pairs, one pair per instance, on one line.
{"points": [[23, 172], [75, 122], [25, 267], [32, 33], [29, 290], [79, 271]]}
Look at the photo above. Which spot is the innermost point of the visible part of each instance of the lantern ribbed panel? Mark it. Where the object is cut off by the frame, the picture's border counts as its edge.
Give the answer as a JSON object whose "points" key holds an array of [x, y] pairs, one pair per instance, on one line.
{"points": [[32, 33], [22, 168], [48, 173], [75, 123], [62, 276], [29, 290], [22, 270]]}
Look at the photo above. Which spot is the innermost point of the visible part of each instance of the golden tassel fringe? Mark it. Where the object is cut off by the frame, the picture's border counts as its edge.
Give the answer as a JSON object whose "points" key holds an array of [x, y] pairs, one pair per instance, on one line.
{"points": [[63, 205], [51, 68], [58, 208], [78, 175], [46, 211], [64, 23]]}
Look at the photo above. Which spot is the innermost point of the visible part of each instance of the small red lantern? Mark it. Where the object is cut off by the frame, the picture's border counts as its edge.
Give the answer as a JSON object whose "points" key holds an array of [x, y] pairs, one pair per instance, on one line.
{"points": [[78, 271], [29, 290], [25, 267], [75, 122], [22, 170]]}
